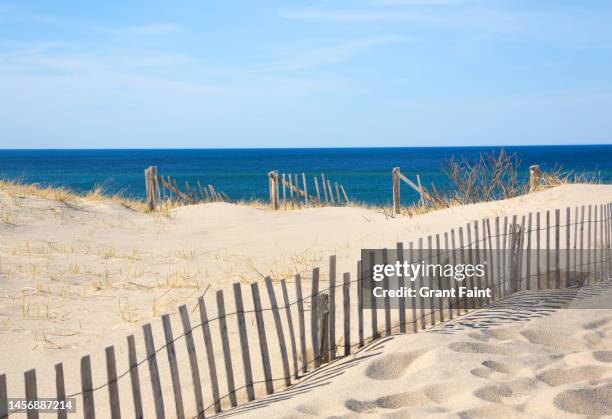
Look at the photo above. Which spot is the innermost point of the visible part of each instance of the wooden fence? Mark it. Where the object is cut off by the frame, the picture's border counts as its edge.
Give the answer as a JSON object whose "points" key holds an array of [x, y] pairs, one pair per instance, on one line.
{"points": [[338, 323], [292, 190], [165, 190]]}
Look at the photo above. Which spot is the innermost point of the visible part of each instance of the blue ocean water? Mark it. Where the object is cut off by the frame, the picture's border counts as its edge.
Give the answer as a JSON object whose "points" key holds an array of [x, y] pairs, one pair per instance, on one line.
{"points": [[241, 173]]}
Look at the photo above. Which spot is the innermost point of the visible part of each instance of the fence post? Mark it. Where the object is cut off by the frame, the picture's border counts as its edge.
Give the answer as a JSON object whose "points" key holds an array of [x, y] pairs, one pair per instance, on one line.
{"points": [[346, 303], [158, 397], [147, 174], [396, 190], [305, 188], [152, 187], [113, 385], [535, 175], [263, 341], [3, 397], [31, 393], [134, 378], [273, 182], [89, 411], [323, 326], [244, 342], [516, 240], [279, 331]]}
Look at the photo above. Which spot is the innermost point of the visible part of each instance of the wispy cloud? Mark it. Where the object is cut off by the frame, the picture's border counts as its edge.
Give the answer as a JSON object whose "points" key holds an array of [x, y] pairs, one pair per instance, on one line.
{"points": [[160, 28], [418, 2], [325, 52], [12, 15], [356, 15]]}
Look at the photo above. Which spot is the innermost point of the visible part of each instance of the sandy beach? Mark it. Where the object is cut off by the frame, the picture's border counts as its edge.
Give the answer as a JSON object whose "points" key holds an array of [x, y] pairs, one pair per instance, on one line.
{"points": [[78, 276], [536, 354]]}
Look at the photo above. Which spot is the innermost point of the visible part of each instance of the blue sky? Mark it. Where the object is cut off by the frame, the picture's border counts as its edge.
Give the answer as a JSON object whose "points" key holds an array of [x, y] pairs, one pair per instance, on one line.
{"points": [[304, 73]]}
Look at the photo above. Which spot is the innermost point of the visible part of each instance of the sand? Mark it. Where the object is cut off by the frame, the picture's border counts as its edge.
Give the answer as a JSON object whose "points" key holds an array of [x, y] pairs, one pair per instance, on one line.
{"points": [[494, 362], [78, 276]]}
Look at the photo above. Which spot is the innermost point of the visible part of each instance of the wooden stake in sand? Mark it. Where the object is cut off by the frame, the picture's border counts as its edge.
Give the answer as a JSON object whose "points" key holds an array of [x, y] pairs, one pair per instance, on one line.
{"points": [[413, 301], [31, 393], [263, 341], [373, 302], [332, 307], [87, 389], [323, 327], [174, 374], [291, 329], [244, 342], [113, 387], [301, 322], [227, 354], [210, 355], [346, 303], [314, 302], [324, 186], [387, 299], [60, 391], [360, 304], [134, 378], [396, 189], [193, 360], [535, 175], [273, 184], [401, 280], [305, 185], [316, 182], [3, 397], [279, 331], [557, 248]]}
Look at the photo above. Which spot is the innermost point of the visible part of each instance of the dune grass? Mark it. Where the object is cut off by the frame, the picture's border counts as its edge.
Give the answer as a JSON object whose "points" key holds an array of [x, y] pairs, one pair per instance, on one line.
{"points": [[17, 190], [493, 176]]}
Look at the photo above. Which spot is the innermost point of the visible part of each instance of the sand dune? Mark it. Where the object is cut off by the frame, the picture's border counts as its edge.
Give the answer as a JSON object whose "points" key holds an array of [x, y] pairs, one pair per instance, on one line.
{"points": [[77, 276]]}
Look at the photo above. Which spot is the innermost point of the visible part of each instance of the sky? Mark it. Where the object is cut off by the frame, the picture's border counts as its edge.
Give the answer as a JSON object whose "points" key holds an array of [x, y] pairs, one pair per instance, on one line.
{"points": [[157, 74]]}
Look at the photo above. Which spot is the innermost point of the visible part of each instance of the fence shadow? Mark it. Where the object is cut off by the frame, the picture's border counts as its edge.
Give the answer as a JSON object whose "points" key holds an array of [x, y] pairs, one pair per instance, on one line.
{"points": [[315, 379], [524, 306]]}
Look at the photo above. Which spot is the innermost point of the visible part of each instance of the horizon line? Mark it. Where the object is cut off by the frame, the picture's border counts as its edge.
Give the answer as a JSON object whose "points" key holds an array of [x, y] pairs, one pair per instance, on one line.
{"points": [[304, 148]]}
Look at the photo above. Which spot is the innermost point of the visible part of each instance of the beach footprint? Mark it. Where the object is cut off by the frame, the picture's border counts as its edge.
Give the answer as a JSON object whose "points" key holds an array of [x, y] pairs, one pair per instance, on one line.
{"points": [[392, 401], [493, 393], [392, 366], [560, 376], [552, 340], [595, 401], [482, 348], [490, 367], [603, 356]]}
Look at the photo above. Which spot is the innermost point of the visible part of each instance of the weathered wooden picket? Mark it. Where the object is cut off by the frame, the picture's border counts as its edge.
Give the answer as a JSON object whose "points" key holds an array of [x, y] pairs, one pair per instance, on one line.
{"points": [[398, 176], [162, 190], [332, 308], [286, 190]]}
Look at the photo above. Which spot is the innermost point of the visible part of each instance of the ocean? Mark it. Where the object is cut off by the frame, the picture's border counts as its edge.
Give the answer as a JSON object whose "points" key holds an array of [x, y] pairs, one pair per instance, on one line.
{"points": [[241, 173]]}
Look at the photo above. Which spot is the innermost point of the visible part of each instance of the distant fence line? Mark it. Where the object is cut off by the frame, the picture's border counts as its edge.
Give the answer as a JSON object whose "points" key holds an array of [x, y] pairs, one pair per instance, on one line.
{"points": [[331, 306], [160, 190], [285, 189]]}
